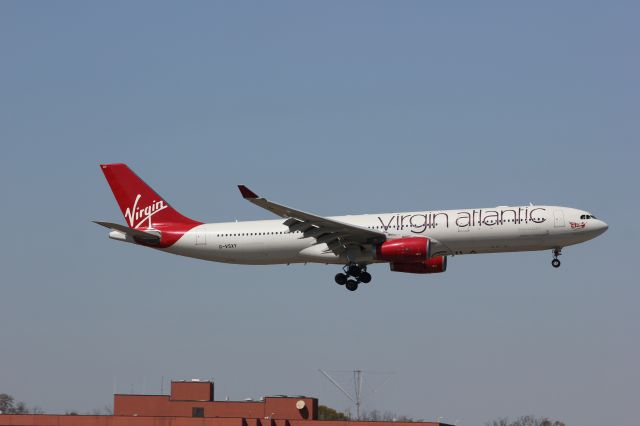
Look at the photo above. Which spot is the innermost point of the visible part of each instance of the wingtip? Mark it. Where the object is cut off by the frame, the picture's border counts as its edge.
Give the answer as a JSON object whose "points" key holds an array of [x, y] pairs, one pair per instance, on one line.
{"points": [[246, 192]]}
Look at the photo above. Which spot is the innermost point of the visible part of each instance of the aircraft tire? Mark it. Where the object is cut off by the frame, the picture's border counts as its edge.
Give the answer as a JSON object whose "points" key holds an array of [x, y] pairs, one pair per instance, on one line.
{"points": [[341, 279], [365, 277], [352, 285], [555, 263]]}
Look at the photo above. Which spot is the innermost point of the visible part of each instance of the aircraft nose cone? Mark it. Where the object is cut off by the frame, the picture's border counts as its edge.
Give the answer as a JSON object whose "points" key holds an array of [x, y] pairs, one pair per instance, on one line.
{"points": [[601, 227]]}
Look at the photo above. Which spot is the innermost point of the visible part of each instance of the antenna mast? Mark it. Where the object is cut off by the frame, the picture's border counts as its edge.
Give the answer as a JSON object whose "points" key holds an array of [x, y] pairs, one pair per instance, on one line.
{"points": [[357, 378]]}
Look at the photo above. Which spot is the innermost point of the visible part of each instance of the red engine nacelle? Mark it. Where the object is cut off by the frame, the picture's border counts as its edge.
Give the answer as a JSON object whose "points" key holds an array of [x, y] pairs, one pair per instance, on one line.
{"points": [[429, 266], [404, 250]]}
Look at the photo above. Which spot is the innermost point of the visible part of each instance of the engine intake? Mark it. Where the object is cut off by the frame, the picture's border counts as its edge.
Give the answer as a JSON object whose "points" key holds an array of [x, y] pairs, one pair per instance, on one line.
{"points": [[404, 250], [429, 266]]}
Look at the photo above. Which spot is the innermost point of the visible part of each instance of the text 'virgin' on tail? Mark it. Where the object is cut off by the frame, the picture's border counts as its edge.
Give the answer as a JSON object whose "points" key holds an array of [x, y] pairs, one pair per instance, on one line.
{"points": [[140, 205]]}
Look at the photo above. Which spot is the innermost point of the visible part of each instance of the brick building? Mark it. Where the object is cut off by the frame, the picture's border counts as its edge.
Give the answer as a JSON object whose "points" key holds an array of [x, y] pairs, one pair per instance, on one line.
{"points": [[192, 403], [196, 399]]}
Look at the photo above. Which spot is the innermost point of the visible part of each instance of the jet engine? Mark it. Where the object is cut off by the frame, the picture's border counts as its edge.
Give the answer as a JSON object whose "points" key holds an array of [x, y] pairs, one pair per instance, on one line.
{"points": [[404, 250], [429, 266]]}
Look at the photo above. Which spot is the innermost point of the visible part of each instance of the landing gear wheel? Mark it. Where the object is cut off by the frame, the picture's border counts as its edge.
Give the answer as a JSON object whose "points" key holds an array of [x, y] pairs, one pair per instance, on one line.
{"points": [[555, 262], [341, 279], [352, 285], [365, 277], [354, 270]]}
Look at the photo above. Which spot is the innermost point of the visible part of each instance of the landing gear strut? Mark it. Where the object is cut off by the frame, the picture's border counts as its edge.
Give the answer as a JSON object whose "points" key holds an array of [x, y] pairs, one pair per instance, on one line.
{"points": [[353, 275], [556, 262]]}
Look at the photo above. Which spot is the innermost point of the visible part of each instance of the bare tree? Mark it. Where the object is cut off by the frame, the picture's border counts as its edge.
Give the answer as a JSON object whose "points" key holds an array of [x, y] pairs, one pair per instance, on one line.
{"points": [[386, 416], [36, 410], [9, 406], [525, 421], [6, 403]]}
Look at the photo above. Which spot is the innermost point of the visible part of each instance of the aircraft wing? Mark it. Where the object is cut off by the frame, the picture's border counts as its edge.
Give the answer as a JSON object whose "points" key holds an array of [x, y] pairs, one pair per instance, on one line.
{"points": [[337, 235], [138, 234]]}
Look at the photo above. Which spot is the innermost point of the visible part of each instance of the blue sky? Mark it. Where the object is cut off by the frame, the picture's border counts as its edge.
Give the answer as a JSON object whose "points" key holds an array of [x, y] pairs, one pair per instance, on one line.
{"points": [[335, 108]]}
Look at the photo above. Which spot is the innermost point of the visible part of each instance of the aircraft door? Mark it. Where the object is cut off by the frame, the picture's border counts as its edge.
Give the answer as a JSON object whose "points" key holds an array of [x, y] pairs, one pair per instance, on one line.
{"points": [[201, 239], [558, 218]]}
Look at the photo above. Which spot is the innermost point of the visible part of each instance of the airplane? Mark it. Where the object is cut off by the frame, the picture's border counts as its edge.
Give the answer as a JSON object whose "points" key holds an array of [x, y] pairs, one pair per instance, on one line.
{"points": [[411, 242]]}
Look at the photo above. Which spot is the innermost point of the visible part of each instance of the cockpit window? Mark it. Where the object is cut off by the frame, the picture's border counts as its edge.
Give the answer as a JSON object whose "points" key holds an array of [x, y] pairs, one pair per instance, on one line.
{"points": [[587, 216]]}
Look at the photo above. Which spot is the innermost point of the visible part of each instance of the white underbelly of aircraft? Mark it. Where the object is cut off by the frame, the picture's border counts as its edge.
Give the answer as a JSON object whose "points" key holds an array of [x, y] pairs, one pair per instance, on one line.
{"points": [[492, 240], [274, 250], [245, 250]]}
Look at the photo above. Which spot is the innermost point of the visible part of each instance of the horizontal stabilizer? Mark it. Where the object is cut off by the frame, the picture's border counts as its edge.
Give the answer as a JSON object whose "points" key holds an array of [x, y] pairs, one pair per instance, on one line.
{"points": [[146, 237]]}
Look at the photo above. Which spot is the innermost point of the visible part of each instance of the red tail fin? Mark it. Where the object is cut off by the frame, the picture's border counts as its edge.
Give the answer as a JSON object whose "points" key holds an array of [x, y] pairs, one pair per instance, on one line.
{"points": [[141, 206]]}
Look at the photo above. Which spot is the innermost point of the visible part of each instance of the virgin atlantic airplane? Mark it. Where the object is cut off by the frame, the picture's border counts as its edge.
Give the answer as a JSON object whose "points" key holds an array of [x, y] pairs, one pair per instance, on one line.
{"points": [[413, 242]]}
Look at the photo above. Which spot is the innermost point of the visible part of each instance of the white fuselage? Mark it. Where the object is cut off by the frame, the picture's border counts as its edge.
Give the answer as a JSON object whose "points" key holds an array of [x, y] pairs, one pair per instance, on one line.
{"points": [[452, 232]]}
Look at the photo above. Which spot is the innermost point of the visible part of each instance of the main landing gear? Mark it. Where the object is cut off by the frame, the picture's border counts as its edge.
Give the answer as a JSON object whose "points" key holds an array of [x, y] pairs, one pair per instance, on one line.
{"points": [[556, 262], [352, 276]]}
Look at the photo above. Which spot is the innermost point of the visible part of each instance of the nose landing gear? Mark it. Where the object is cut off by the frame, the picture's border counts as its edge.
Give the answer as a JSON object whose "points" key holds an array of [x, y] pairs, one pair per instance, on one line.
{"points": [[556, 262], [352, 276]]}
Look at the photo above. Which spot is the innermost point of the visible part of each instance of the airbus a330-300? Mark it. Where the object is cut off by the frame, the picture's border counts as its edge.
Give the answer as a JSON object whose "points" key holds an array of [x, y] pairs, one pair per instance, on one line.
{"points": [[412, 242]]}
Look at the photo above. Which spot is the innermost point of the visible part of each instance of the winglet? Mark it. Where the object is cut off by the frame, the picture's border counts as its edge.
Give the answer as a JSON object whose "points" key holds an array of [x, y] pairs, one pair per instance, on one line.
{"points": [[246, 192]]}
